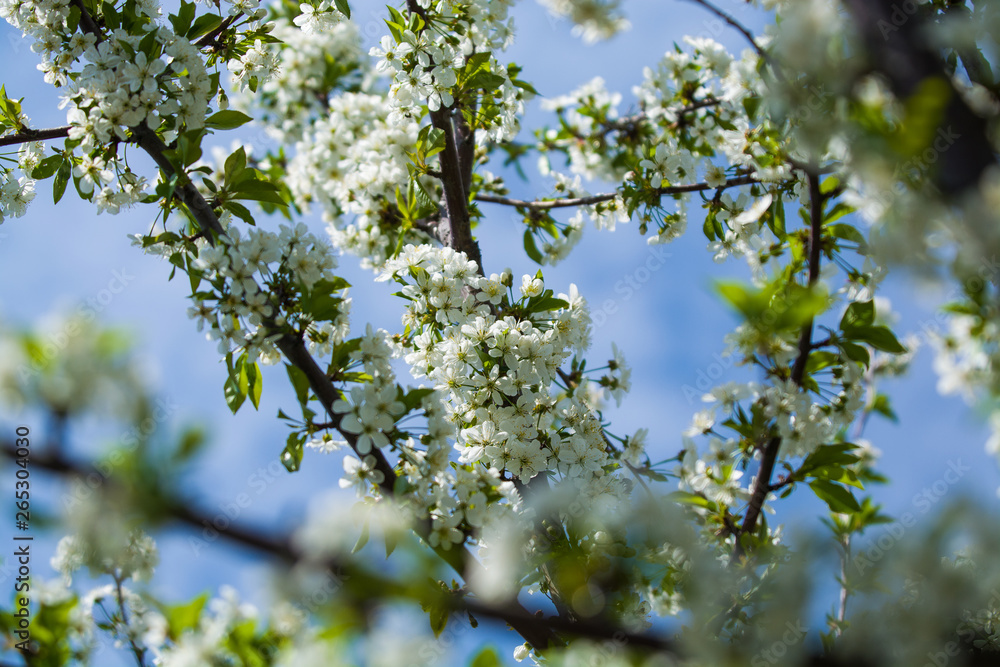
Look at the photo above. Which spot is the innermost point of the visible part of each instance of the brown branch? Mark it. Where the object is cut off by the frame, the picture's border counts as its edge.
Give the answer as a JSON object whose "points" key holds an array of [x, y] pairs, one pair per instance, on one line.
{"points": [[466, 141], [456, 232], [566, 202], [628, 122], [27, 135], [295, 351], [538, 630], [762, 483], [87, 22], [513, 614], [201, 211], [210, 38]]}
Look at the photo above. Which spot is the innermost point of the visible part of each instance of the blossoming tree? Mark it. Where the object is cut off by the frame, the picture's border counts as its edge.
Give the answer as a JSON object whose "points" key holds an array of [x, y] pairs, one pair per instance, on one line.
{"points": [[490, 472]]}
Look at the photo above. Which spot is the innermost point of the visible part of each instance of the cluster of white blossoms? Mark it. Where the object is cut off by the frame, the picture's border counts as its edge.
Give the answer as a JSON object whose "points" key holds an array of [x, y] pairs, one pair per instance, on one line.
{"points": [[595, 19], [251, 278], [352, 161], [134, 556], [258, 65], [425, 64], [580, 109], [319, 17], [692, 126], [744, 233], [372, 410], [309, 65], [492, 357], [120, 82], [966, 361], [15, 194]]}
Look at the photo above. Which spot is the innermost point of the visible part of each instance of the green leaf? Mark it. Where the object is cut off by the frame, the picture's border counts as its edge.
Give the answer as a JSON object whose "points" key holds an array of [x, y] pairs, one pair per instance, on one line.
{"points": [[488, 657], [291, 456], [837, 498], [203, 25], [47, 167], [192, 440], [256, 383], [242, 379], [184, 616], [240, 211], [849, 233], [182, 20], [546, 303], [391, 541], [362, 538], [687, 498], [837, 212], [820, 359], [227, 120], [881, 338], [838, 474], [63, 175], [882, 406], [438, 618], [826, 455], [858, 314], [531, 248], [234, 397], [344, 8], [855, 352], [478, 73], [112, 20], [235, 164], [257, 190], [299, 382], [411, 399], [320, 303]]}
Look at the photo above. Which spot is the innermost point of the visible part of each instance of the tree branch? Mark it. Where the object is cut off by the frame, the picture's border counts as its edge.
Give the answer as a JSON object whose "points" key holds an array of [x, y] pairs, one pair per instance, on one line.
{"points": [[762, 483], [628, 122], [466, 141], [28, 135], [87, 22], [211, 37], [538, 630], [201, 211], [566, 202], [745, 32], [458, 233]]}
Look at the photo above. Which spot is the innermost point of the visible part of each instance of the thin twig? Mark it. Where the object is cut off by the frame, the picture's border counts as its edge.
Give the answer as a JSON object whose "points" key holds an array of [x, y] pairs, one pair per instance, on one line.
{"points": [[728, 18], [210, 38], [566, 202], [137, 651]]}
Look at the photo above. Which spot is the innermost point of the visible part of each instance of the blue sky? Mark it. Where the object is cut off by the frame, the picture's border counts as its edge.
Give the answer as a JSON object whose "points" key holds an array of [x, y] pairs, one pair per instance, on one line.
{"points": [[53, 259]]}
